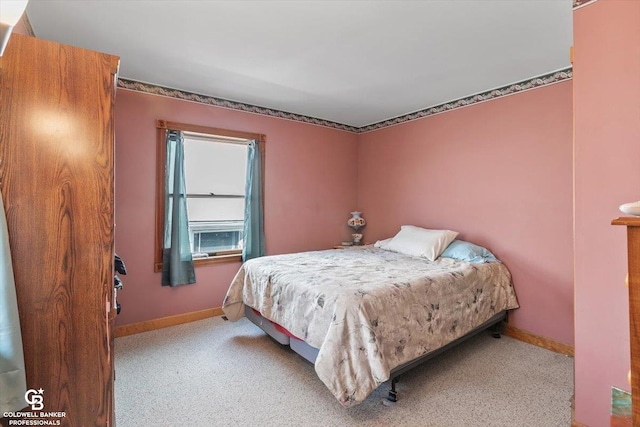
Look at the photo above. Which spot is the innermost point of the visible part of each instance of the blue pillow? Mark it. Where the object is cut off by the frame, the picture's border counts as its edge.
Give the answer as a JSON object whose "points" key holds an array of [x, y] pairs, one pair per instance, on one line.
{"points": [[465, 251]]}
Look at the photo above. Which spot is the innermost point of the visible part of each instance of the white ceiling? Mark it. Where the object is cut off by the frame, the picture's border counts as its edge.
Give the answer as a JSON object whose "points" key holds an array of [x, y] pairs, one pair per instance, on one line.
{"points": [[351, 62]]}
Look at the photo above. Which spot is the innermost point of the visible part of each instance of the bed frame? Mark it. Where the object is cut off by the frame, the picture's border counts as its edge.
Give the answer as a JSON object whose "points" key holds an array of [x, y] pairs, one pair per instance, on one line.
{"points": [[310, 353]]}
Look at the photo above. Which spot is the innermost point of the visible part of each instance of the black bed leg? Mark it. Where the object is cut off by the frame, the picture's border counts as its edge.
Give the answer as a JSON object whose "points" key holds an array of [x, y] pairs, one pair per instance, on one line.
{"points": [[496, 331], [393, 394]]}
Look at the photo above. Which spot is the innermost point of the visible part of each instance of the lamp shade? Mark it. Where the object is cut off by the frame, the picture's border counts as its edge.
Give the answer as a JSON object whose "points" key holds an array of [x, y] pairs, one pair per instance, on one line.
{"points": [[10, 13]]}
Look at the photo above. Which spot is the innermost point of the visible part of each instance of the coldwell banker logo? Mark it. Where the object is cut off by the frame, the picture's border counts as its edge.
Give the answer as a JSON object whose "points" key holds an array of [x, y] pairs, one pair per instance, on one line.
{"points": [[35, 399], [37, 417]]}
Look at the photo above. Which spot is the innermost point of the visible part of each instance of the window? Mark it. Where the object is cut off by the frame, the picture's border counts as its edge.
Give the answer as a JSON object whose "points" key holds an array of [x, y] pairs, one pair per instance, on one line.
{"points": [[215, 174], [215, 163]]}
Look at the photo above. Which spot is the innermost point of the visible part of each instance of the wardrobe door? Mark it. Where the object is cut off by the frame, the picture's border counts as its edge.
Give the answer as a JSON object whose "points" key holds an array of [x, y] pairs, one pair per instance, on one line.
{"points": [[56, 178]]}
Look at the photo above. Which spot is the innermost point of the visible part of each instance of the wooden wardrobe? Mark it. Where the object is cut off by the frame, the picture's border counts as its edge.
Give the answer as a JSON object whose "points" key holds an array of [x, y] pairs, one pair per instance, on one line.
{"points": [[633, 282], [57, 183]]}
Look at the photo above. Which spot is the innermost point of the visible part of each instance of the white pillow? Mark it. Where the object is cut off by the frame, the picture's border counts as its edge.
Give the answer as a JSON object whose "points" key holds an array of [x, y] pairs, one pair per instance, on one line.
{"points": [[382, 244], [421, 242]]}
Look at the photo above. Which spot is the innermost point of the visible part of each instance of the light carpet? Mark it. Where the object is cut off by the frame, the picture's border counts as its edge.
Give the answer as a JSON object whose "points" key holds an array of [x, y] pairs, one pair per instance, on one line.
{"points": [[218, 373]]}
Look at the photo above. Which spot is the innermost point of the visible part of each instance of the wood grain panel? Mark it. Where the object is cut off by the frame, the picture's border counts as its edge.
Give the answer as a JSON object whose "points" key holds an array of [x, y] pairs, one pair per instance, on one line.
{"points": [[56, 177], [633, 254]]}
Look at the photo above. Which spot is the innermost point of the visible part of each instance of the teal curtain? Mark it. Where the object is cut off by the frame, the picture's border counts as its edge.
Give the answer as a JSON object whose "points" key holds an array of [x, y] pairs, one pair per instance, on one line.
{"points": [[13, 383], [177, 262], [253, 205]]}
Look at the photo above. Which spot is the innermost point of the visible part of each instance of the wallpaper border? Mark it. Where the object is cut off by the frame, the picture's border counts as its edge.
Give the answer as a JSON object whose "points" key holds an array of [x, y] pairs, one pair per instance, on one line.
{"points": [[224, 103], [547, 79], [544, 80], [580, 3]]}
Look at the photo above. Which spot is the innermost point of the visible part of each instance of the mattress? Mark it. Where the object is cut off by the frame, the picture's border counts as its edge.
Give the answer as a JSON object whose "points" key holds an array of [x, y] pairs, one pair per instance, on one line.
{"points": [[311, 353], [368, 310], [268, 326]]}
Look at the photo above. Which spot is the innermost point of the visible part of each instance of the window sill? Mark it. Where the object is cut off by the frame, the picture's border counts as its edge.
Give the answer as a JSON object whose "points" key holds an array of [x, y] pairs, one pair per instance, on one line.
{"points": [[199, 262]]}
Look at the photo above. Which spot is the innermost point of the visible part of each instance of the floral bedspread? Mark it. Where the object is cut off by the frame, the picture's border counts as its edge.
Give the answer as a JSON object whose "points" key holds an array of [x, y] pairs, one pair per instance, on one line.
{"points": [[369, 310]]}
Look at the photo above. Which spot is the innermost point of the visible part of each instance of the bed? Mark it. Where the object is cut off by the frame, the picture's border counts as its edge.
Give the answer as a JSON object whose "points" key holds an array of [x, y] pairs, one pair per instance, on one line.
{"points": [[363, 314]]}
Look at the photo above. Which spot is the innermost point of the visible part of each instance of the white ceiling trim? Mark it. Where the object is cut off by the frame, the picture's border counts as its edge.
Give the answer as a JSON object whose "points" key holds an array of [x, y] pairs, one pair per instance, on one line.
{"points": [[524, 85]]}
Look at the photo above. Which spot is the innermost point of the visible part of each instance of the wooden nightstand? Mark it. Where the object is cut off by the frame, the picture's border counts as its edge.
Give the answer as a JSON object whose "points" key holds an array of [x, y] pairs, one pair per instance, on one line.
{"points": [[350, 246]]}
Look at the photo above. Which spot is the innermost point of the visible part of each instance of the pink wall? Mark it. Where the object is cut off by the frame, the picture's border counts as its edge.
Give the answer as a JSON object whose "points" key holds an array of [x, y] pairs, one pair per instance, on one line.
{"points": [[607, 174], [499, 173], [310, 177], [20, 27]]}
